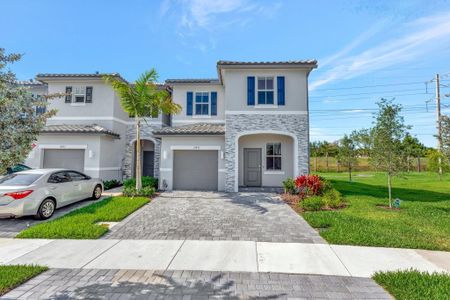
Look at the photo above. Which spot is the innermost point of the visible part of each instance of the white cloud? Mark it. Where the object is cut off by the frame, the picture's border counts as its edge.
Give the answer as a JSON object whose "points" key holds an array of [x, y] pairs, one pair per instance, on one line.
{"points": [[209, 14], [422, 37]]}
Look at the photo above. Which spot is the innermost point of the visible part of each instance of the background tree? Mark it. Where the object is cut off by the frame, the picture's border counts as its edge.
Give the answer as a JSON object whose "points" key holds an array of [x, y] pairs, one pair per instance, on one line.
{"points": [[314, 150], [437, 162], [325, 149], [445, 126], [347, 154], [388, 133], [413, 149], [363, 139], [19, 123], [142, 99]]}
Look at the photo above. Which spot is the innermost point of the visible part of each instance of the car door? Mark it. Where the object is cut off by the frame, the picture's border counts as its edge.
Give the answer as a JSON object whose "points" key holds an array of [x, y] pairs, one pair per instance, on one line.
{"points": [[82, 186], [60, 185]]}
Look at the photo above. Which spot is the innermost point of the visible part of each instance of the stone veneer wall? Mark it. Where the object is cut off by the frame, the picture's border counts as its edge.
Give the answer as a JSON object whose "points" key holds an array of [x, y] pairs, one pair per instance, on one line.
{"points": [[239, 123], [146, 133]]}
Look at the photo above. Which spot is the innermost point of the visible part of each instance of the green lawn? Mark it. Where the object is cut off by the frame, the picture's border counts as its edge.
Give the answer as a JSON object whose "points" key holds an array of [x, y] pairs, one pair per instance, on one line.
{"points": [[13, 276], [81, 223], [423, 221], [411, 285]]}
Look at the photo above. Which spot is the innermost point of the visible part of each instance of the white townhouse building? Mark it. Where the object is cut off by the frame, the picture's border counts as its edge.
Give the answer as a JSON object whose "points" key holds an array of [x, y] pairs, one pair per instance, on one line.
{"points": [[247, 128]]}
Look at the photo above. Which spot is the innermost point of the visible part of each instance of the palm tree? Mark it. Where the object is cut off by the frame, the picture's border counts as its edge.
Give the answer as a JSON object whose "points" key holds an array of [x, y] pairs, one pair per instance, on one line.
{"points": [[139, 100]]}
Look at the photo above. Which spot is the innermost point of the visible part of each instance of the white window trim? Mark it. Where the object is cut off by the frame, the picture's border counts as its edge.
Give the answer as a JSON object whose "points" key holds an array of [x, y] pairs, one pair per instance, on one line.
{"points": [[194, 115], [273, 171], [275, 99]]}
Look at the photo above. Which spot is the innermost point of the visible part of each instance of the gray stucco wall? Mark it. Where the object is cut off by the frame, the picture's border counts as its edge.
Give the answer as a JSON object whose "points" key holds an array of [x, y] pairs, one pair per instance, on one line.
{"points": [[243, 124]]}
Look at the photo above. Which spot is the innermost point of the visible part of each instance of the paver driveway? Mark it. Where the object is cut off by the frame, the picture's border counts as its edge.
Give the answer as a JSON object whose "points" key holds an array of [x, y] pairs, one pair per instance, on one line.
{"points": [[149, 284], [216, 216]]}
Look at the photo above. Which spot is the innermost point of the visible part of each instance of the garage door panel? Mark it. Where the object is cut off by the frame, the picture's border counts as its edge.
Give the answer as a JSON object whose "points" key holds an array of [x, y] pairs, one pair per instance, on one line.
{"points": [[195, 170], [64, 158]]}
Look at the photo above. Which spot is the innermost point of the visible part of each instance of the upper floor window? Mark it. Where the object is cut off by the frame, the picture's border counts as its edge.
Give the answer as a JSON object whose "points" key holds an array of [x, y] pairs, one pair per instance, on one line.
{"points": [[201, 103], [265, 90], [79, 94], [273, 156]]}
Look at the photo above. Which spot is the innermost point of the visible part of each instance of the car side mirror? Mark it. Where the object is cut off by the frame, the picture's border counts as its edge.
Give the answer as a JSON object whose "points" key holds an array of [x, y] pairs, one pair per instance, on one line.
{"points": [[88, 177]]}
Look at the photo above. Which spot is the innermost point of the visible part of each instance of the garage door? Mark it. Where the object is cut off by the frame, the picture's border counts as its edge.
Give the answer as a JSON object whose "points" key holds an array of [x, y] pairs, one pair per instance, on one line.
{"points": [[66, 158], [195, 170]]}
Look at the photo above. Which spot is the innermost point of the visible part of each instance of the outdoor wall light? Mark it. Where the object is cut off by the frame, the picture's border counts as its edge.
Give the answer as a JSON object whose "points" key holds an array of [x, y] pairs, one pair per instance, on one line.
{"points": [[91, 154], [164, 154], [221, 154]]}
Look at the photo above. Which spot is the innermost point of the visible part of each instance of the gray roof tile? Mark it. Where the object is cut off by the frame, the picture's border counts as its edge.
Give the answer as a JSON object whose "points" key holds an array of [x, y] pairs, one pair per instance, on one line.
{"points": [[288, 62], [71, 128], [193, 80], [193, 129], [77, 75]]}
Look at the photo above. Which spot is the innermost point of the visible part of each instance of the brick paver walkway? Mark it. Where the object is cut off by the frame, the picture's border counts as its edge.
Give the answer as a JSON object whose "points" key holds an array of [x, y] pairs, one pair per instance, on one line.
{"points": [[132, 284], [216, 216]]}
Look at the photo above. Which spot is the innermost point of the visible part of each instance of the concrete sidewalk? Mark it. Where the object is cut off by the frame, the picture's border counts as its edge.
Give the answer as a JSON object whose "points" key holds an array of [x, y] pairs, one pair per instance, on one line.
{"points": [[231, 256]]}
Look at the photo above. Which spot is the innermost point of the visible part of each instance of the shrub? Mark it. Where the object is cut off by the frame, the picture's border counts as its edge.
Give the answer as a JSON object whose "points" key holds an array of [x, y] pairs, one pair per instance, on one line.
{"points": [[130, 191], [146, 181], [109, 184], [312, 203], [289, 186], [333, 199], [309, 185]]}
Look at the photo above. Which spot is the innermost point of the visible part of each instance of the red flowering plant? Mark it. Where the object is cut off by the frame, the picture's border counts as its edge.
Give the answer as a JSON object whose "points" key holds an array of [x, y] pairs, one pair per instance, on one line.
{"points": [[309, 185]]}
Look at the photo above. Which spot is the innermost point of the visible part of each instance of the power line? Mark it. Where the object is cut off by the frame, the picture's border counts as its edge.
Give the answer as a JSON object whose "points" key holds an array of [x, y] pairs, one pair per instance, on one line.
{"points": [[368, 93], [369, 98], [369, 86]]}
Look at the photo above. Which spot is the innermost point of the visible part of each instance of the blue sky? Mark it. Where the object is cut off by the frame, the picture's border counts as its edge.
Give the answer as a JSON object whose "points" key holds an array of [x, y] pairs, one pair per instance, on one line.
{"points": [[366, 49]]}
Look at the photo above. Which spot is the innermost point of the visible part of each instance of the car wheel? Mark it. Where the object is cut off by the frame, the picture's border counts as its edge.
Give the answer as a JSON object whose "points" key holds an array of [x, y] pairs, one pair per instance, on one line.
{"points": [[97, 193], [46, 209]]}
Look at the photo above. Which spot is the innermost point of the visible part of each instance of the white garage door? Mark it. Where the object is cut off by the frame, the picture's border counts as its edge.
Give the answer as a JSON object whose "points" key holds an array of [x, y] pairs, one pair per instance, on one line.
{"points": [[195, 170], [64, 158]]}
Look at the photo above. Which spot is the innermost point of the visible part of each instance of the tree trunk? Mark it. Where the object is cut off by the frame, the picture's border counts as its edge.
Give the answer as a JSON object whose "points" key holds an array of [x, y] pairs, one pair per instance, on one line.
{"points": [[326, 162], [440, 167], [350, 173], [408, 162], [390, 190], [418, 164], [338, 169], [138, 155], [315, 164]]}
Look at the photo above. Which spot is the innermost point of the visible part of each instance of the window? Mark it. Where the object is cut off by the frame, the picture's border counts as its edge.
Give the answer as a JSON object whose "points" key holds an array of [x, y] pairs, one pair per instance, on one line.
{"points": [[265, 90], [79, 94], [75, 176], [273, 156], [202, 103], [19, 179], [59, 177]]}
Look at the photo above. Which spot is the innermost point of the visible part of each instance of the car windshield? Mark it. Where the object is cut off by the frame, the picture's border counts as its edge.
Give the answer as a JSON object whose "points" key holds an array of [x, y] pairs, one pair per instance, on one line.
{"points": [[19, 179]]}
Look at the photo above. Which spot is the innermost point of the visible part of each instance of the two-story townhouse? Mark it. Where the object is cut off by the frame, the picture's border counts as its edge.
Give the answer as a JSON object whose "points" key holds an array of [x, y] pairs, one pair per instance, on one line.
{"points": [[90, 130], [247, 128]]}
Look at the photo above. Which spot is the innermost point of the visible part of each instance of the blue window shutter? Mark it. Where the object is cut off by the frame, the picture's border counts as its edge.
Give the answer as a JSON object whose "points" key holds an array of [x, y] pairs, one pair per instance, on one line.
{"points": [[280, 90], [189, 100], [213, 103], [250, 90]]}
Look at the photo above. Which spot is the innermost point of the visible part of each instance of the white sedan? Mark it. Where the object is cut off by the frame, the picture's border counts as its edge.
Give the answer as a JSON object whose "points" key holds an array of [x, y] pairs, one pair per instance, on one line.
{"points": [[39, 192]]}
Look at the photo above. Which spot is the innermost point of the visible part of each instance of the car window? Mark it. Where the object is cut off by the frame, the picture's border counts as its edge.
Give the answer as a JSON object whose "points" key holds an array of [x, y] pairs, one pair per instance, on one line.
{"points": [[19, 179], [59, 177], [75, 176], [18, 168]]}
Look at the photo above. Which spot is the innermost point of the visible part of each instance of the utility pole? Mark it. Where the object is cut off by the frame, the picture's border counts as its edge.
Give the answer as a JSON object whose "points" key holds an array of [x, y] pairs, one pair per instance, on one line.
{"points": [[439, 123]]}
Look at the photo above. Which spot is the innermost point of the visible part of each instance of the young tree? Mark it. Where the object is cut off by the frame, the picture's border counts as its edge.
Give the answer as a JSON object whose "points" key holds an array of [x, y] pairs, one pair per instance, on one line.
{"points": [[19, 123], [388, 133], [437, 162], [347, 154], [141, 99]]}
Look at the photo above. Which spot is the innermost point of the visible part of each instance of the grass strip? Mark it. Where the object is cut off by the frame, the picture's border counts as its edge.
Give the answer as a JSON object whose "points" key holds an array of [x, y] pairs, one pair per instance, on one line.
{"points": [[81, 223], [13, 276]]}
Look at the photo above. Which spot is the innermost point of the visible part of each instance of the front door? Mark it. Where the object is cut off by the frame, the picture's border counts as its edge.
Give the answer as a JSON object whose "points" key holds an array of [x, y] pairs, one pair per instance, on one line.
{"points": [[149, 163], [252, 167]]}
